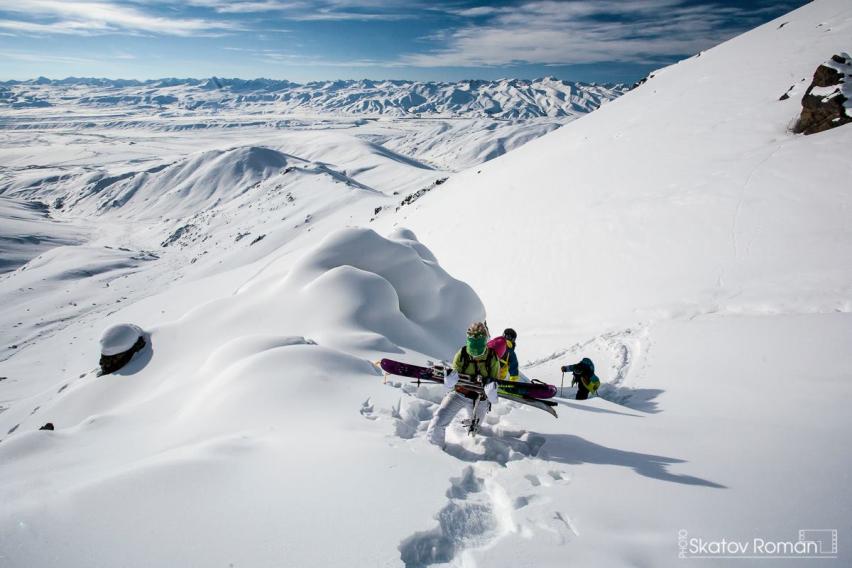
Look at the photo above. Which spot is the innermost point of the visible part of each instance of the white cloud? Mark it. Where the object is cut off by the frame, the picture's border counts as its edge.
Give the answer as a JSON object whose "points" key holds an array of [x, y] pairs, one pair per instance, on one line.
{"points": [[73, 28], [337, 15], [542, 32], [274, 56], [317, 10], [586, 31], [478, 11], [246, 7], [44, 58], [97, 17]]}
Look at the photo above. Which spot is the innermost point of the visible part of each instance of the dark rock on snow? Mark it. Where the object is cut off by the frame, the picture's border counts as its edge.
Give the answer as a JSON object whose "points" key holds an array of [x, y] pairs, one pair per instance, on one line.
{"points": [[112, 363], [118, 345], [826, 102]]}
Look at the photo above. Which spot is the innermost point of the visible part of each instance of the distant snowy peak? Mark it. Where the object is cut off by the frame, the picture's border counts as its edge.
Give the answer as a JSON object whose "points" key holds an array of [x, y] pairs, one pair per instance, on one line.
{"points": [[504, 99]]}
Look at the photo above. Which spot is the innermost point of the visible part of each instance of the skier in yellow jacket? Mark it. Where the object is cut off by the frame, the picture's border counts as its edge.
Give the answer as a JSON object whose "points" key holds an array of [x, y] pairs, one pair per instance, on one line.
{"points": [[475, 359]]}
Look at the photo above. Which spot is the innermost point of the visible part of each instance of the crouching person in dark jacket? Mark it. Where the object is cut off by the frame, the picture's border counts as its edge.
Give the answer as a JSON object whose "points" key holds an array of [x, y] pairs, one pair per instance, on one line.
{"points": [[584, 378]]}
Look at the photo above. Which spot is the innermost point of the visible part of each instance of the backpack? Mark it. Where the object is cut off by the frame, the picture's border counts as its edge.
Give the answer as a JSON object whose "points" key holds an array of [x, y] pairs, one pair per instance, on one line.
{"points": [[498, 345], [594, 384], [466, 360]]}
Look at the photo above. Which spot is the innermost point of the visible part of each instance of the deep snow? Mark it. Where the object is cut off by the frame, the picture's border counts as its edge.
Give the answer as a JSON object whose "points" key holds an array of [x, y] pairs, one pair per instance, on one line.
{"points": [[698, 251], [680, 236]]}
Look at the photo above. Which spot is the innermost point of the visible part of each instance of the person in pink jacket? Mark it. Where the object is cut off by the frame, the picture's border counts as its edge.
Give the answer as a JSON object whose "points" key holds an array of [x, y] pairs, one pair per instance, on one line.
{"points": [[504, 347]]}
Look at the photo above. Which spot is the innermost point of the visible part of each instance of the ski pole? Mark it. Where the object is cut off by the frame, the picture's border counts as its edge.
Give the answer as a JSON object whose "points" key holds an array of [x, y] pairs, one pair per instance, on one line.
{"points": [[562, 386]]}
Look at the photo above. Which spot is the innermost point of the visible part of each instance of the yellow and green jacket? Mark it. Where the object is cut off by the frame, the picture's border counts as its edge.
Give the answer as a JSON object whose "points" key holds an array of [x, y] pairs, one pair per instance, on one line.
{"points": [[486, 367]]}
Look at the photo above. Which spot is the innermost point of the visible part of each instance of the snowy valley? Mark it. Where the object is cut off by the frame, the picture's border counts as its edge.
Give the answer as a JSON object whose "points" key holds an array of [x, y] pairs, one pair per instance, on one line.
{"points": [[274, 240]]}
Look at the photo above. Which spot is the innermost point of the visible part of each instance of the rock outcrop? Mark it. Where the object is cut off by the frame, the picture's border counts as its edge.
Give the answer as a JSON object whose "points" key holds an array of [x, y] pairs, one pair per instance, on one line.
{"points": [[118, 345], [826, 103]]}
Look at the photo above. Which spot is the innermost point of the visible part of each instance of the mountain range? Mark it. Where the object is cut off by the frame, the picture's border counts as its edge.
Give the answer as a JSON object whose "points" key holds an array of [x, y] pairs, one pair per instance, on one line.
{"points": [[503, 99]]}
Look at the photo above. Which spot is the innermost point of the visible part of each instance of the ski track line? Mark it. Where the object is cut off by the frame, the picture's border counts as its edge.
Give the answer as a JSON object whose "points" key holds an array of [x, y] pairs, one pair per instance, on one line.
{"points": [[618, 356], [743, 193]]}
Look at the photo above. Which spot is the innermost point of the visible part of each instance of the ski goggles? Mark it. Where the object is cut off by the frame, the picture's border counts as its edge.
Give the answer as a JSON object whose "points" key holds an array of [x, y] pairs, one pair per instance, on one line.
{"points": [[475, 346]]}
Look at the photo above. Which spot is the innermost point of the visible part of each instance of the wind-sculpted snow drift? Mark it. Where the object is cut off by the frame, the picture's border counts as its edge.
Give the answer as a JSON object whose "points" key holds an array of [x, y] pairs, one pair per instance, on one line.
{"points": [[261, 390]]}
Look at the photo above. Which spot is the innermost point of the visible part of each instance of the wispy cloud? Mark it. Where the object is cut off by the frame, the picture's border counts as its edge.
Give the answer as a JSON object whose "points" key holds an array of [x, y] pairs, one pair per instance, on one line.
{"points": [[96, 17], [275, 56], [68, 27], [318, 10], [244, 6], [44, 58], [584, 31], [476, 11]]}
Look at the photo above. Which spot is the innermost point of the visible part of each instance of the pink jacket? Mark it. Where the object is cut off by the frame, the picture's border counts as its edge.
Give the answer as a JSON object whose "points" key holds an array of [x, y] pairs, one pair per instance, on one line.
{"points": [[498, 345]]}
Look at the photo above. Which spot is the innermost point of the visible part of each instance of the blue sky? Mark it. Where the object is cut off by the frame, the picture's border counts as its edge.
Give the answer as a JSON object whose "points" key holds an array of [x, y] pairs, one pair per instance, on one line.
{"points": [[305, 40]]}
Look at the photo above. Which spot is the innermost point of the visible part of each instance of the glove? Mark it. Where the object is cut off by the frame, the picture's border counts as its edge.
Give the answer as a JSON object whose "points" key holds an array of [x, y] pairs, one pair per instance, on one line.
{"points": [[565, 368], [451, 380], [490, 391]]}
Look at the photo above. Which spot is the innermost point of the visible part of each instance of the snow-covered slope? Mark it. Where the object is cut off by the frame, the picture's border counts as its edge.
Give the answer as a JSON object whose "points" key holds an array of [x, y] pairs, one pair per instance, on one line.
{"points": [[699, 252], [233, 400], [178, 149], [505, 99], [680, 236], [28, 230], [152, 220], [688, 195]]}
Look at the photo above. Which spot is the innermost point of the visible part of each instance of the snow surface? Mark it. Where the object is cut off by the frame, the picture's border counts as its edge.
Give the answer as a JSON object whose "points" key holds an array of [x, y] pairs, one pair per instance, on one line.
{"points": [[681, 236], [28, 229], [689, 195], [120, 338]]}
